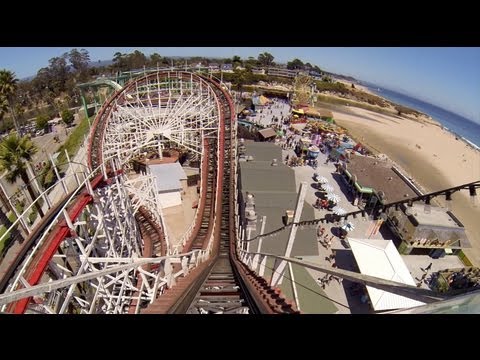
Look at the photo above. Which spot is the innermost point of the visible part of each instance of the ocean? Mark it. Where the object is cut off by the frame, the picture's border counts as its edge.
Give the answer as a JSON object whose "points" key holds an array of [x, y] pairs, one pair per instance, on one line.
{"points": [[457, 124]]}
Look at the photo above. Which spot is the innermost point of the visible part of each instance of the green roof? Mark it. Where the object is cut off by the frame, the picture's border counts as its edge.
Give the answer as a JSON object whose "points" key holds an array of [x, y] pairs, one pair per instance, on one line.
{"points": [[263, 151], [261, 176], [365, 190], [275, 191]]}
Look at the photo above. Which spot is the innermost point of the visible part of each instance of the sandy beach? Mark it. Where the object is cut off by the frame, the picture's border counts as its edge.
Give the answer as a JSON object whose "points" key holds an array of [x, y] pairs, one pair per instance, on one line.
{"points": [[431, 155]]}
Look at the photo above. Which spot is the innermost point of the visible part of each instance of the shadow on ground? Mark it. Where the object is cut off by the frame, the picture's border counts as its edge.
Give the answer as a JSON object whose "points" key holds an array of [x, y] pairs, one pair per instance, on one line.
{"points": [[345, 260]]}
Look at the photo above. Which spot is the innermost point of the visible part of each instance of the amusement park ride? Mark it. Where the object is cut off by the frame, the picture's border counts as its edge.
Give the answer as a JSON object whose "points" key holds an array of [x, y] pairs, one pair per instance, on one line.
{"points": [[102, 246]]}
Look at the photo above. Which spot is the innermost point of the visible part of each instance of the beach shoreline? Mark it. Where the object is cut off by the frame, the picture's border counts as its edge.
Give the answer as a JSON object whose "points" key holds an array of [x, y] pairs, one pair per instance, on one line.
{"points": [[434, 157]]}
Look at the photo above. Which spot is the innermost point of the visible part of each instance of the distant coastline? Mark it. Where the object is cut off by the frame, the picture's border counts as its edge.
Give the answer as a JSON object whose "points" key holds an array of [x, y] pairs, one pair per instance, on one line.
{"points": [[461, 127]]}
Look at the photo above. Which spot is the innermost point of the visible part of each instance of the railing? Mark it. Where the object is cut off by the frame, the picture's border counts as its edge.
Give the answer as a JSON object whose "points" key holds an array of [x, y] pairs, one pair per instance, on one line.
{"points": [[54, 221], [257, 262], [163, 277], [23, 217], [160, 282]]}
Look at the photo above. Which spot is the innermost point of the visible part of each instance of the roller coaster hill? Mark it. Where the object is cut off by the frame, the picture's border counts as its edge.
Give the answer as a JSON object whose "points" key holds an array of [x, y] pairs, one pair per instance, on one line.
{"points": [[102, 245]]}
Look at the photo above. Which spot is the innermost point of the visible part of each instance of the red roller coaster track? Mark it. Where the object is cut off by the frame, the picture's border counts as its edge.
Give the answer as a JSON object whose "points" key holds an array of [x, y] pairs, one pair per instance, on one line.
{"points": [[268, 300]]}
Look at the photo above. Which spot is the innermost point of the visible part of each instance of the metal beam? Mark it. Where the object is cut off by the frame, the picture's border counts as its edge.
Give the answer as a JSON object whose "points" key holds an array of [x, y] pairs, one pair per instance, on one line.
{"points": [[50, 286], [402, 289]]}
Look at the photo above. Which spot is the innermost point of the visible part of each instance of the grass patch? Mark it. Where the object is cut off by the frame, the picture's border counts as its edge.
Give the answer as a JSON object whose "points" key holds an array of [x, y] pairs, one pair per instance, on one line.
{"points": [[352, 103], [3, 229], [74, 141], [72, 144], [12, 217]]}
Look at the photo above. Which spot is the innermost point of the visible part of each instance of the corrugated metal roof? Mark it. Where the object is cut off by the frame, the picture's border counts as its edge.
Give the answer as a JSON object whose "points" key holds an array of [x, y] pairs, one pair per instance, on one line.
{"points": [[261, 176], [263, 151], [273, 205], [168, 176], [380, 258], [275, 191]]}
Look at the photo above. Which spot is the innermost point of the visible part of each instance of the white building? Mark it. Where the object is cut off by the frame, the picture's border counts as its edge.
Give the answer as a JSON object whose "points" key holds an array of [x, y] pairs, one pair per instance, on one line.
{"points": [[381, 259], [171, 183]]}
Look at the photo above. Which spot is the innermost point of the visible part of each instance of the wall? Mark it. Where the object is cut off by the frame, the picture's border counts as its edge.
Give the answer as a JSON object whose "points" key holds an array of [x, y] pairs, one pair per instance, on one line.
{"points": [[170, 199]]}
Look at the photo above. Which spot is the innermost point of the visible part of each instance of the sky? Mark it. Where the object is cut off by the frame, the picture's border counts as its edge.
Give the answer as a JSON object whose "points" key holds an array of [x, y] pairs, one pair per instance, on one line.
{"points": [[448, 77]]}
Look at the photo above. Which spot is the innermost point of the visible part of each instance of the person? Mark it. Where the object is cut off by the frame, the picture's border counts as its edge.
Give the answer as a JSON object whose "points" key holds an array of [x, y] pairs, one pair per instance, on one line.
{"points": [[427, 268]]}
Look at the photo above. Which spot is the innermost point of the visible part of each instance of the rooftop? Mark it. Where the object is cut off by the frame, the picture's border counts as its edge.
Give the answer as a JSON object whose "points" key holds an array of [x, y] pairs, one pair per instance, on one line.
{"points": [[168, 176], [437, 217], [262, 151], [274, 189], [380, 258], [378, 174], [267, 133]]}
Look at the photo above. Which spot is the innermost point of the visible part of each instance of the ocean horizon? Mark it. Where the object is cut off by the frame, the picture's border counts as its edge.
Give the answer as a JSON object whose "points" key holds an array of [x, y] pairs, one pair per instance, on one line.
{"points": [[455, 123]]}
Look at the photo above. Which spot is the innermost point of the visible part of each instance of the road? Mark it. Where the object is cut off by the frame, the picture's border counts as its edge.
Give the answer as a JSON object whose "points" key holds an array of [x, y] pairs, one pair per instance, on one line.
{"points": [[46, 145]]}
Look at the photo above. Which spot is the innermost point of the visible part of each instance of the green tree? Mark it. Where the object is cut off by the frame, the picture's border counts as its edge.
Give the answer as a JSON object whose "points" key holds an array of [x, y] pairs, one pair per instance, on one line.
{"points": [[327, 78], [42, 122], [79, 60], [15, 152], [155, 59], [250, 62], [8, 88], [67, 117], [237, 61], [58, 72], [295, 64], [119, 62], [266, 59]]}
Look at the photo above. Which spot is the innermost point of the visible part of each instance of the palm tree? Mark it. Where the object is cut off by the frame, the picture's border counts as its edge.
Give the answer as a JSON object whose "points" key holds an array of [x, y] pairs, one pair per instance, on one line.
{"points": [[8, 88], [3, 106], [15, 152]]}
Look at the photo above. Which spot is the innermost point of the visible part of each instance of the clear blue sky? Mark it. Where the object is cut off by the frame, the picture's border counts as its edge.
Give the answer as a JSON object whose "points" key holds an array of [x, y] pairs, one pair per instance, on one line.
{"points": [[447, 77]]}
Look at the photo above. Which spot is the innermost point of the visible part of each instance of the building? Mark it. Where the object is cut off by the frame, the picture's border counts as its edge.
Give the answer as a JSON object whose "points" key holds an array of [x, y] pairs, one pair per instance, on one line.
{"points": [[425, 229], [374, 181], [267, 134], [381, 259], [171, 181], [258, 71], [282, 72], [267, 195]]}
